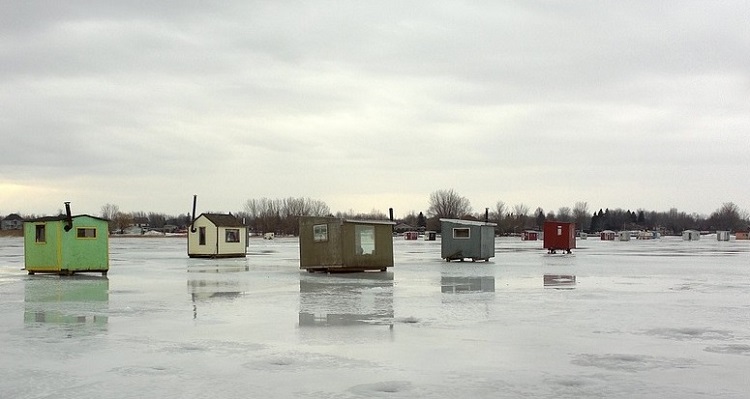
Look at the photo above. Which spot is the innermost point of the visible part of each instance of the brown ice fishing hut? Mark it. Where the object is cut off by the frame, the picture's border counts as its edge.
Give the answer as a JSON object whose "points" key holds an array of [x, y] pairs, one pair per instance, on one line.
{"points": [[345, 245], [559, 236]]}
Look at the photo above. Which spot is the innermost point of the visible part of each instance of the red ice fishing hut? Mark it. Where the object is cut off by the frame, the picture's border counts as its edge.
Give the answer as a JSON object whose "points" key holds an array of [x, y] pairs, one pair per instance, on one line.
{"points": [[559, 235]]}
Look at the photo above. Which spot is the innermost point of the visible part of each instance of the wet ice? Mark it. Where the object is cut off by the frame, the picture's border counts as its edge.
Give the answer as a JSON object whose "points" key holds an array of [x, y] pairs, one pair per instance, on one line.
{"points": [[662, 318]]}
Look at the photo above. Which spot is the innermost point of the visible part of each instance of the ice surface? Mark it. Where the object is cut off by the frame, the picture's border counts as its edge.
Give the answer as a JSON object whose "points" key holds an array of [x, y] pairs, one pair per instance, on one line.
{"points": [[648, 319]]}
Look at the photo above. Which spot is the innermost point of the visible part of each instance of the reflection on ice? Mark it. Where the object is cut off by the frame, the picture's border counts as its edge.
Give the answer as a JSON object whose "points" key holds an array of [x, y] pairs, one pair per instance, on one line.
{"points": [[76, 299], [209, 282], [346, 299], [560, 281], [455, 285]]}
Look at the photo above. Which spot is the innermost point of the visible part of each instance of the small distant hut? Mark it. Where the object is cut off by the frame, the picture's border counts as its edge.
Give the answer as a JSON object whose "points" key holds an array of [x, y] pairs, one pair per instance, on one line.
{"points": [[467, 239], [742, 235], [559, 236], [646, 235], [722, 235], [530, 235], [411, 235], [66, 244], [691, 235], [607, 235], [345, 245], [430, 235], [623, 235], [217, 235]]}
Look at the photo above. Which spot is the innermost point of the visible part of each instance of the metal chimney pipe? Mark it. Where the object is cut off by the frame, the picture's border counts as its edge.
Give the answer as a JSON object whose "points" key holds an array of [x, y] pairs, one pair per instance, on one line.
{"points": [[486, 215], [68, 217], [192, 218], [390, 212]]}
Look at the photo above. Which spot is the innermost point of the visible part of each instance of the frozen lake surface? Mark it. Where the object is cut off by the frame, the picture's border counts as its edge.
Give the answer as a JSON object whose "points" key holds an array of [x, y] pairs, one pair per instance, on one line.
{"points": [[638, 319]]}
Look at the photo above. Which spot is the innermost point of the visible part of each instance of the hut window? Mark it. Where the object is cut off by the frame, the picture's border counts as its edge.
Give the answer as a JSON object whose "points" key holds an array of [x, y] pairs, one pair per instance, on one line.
{"points": [[233, 235], [461, 232], [41, 234], [364, 237], [201, 236], [86, 232], [320, 233]]}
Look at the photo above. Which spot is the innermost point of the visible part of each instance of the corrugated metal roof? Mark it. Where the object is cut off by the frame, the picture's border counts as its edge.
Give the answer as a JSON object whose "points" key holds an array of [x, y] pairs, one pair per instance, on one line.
{"points": [[468, 222]]}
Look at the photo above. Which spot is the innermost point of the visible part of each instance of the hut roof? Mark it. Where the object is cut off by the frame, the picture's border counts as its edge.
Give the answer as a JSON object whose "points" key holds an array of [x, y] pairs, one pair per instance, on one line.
{"points": [[223, 219], [62, 217], [362, 221]]}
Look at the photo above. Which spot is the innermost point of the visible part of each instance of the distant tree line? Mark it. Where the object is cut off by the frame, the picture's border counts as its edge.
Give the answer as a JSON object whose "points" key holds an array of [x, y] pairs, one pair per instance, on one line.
{"points": [[515, 219], [281, 216]]}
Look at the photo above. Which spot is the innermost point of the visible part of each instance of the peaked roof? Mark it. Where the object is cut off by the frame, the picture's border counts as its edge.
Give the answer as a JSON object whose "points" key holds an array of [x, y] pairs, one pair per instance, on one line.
{"points": [[13, 216], [223, 219]]}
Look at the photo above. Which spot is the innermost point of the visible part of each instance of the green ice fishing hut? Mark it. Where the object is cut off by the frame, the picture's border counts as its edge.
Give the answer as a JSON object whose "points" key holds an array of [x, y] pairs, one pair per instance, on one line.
{"points": [[66, 244]]}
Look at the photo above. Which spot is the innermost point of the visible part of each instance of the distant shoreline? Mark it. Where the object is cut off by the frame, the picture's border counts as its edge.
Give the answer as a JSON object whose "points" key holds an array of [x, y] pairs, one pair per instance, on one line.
{"points": [[11, 233]]}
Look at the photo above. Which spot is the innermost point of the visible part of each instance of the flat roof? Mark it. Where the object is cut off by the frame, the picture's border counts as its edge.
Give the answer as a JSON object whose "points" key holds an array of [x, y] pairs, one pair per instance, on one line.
{"points": [[370, 221], [469, 222]]}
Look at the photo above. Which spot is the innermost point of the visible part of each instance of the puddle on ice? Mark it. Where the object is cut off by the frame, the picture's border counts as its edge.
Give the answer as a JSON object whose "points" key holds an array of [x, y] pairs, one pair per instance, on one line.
{"points": [[664, 318]]}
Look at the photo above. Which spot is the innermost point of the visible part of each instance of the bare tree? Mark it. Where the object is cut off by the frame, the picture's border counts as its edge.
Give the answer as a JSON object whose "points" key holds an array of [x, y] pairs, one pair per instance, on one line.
{"points": [[521, 215], [448, 204], [520, 210], [564, 214], [122, 221], [727, 217], [500, 210], [581, 215], [109, 211]]}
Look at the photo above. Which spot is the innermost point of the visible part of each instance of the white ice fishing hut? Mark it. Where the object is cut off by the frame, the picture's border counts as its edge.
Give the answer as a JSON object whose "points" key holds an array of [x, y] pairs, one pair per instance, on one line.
{"points": [[691, 235], [217, 235]]}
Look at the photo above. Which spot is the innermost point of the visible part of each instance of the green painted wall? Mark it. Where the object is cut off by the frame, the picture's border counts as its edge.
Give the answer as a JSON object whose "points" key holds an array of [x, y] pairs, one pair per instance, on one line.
{"points": [[65, 251], [42, 256]]}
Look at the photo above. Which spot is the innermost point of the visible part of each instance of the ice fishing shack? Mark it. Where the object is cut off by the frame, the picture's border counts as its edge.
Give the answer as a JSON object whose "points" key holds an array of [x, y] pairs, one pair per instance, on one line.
{"points": [[66, 244], [559, 235], [345, 245], [529, 235], [691, 235], [467, 239], [217, 235]]}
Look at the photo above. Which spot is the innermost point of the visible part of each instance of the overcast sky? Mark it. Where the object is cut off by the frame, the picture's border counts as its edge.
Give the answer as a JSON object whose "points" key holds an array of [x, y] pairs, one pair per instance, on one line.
{"points": [[371, 105]]}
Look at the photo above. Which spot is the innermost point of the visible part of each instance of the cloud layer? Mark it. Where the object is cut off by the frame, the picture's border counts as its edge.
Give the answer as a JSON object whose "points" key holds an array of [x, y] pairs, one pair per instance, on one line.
{"points": [[374, 105]]}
